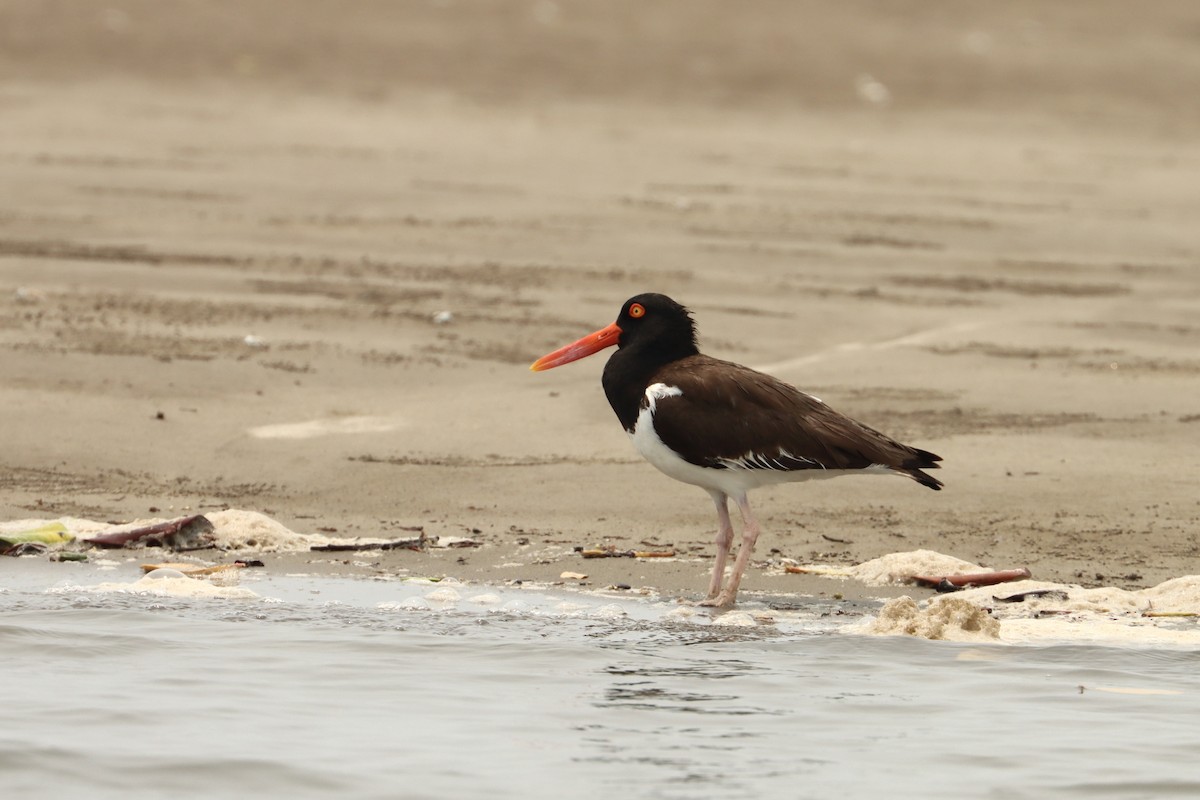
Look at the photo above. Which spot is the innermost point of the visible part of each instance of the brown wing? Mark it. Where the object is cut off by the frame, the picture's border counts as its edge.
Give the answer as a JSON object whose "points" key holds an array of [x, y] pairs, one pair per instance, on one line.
{"points": [[732, 417]]}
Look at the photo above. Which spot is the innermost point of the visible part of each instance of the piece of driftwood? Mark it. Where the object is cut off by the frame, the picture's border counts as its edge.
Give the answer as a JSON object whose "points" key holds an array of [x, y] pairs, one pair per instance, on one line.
{"points": [[418, 543], [606, 552], [972, 579], [1036, 594], [185, 533]]}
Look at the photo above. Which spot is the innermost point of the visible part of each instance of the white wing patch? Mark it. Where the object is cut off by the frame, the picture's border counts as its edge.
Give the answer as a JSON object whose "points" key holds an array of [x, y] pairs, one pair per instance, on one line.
{"points": [[783, 460], [657, 391]]}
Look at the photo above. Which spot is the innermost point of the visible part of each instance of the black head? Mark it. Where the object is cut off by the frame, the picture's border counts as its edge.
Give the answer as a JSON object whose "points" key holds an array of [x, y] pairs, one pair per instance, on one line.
{"points": [[651, 330], [656, 323]]}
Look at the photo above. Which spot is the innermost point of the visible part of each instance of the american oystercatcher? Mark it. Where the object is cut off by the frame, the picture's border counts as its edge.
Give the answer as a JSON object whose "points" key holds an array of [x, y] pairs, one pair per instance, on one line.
{"points": [[724, 427]]}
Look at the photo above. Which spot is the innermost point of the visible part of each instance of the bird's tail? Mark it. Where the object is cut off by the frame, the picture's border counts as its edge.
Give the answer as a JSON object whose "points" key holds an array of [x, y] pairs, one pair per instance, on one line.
{"points": [[922, 460]]}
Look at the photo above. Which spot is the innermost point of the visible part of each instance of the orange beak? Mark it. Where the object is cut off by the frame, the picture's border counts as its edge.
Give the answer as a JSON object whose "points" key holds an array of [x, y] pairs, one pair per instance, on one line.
{"points": [[592, 343]]}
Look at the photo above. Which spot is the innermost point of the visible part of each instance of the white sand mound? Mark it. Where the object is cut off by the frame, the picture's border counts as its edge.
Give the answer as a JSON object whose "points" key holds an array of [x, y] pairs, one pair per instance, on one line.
{"points": [[899, 568], [250, 530]]}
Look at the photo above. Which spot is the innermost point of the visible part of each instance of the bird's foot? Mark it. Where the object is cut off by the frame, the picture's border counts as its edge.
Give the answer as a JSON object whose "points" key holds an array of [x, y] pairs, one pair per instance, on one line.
{"points": [[722, 600]]}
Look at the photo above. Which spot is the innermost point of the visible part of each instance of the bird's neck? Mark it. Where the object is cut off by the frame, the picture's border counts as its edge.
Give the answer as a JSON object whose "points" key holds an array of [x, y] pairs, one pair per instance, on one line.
{"points": [[631, 369]]}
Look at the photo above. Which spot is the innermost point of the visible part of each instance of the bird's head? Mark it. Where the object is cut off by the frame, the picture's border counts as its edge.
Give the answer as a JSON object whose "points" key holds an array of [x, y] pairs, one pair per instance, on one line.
{"points": [[651, 321]]}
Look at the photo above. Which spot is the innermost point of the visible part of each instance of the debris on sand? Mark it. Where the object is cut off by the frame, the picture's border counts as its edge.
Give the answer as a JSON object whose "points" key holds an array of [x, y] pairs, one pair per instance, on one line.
{"points": [[609, 551], [1040, 594], [227, 530], [951, 583], [26, 549], [49, 534], [185, 533], [419, 543]]}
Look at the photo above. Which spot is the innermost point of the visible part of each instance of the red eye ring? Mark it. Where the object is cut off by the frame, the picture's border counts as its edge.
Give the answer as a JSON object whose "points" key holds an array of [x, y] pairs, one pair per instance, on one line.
{"points": [[637, 311]]}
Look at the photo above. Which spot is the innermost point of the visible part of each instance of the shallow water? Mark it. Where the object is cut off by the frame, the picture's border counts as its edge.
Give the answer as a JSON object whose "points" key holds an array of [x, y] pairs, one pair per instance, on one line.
{"points": [[342, 687]]}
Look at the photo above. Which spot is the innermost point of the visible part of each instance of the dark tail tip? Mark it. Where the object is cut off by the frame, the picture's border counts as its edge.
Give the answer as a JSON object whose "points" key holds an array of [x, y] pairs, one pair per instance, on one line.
{"points": [[923, 459], [926, 480]]}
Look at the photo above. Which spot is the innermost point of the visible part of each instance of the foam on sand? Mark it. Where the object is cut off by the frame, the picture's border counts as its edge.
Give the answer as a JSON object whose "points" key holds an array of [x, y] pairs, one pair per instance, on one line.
{"points": [[165, 583], [1065, 613], [1046, 612], [953, 618], [250, 530]]}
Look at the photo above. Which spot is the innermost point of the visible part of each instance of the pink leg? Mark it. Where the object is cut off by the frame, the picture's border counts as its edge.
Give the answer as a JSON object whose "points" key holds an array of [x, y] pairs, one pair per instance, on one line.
{"points": [[750, 531], [724, 543]]}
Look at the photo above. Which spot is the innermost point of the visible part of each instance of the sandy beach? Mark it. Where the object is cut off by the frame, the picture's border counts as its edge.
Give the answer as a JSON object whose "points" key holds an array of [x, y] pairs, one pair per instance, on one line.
{"points": [[296, 259]]}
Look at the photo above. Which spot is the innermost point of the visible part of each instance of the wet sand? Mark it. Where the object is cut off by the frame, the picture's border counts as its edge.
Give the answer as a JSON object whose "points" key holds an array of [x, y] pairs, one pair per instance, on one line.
{"points": [[224, 242]]}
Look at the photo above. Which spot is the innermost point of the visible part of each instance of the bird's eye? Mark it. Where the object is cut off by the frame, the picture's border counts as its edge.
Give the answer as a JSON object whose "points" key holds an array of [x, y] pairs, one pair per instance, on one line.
{"points": [[637, 311]]}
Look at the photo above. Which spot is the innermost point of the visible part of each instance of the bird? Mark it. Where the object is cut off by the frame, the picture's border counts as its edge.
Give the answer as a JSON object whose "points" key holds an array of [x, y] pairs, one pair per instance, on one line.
{"points": [[725, 427]]}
